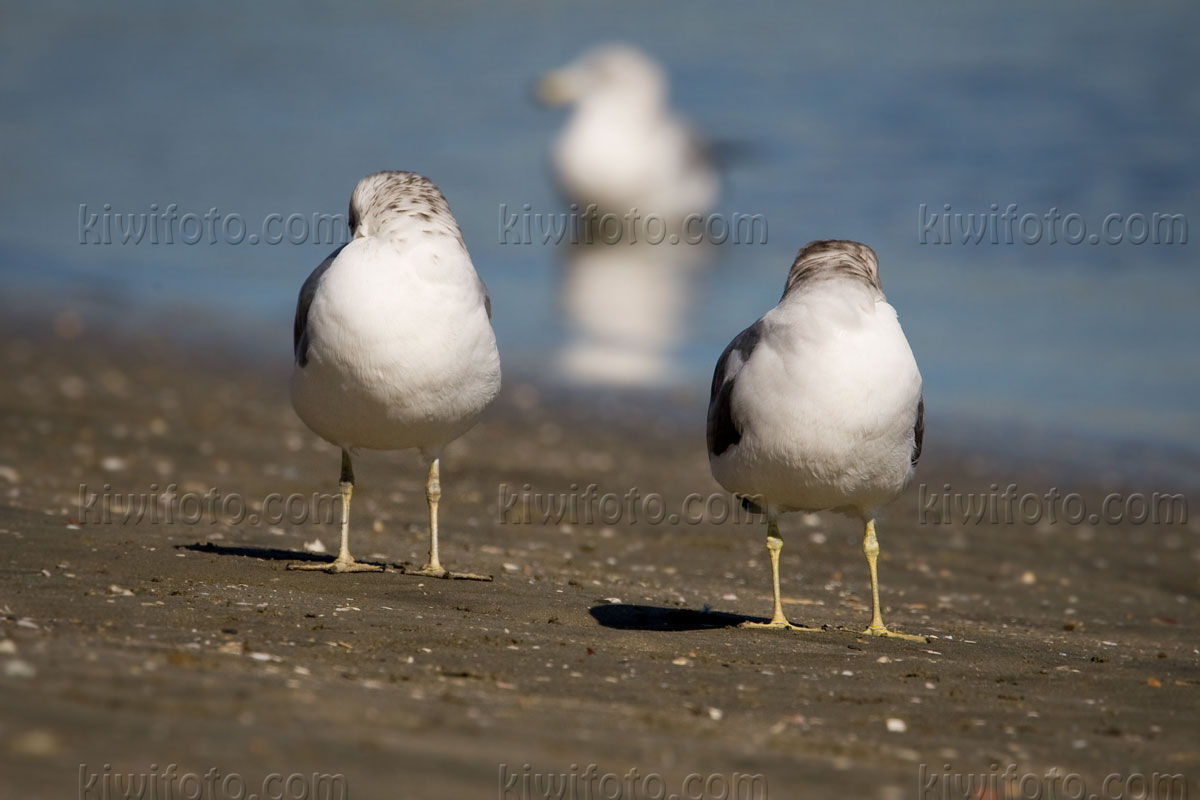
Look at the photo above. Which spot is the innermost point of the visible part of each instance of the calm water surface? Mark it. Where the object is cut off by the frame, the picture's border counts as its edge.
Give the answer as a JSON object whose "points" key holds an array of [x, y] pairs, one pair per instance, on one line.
{"points": [[843, 120]]}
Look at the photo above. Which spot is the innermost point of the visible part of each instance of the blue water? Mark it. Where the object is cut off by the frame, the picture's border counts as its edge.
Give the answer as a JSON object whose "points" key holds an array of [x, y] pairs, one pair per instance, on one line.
{"points": [[844, 118]]}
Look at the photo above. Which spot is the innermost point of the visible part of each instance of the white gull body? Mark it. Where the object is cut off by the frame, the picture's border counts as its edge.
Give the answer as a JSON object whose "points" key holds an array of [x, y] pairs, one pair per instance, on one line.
{"points": [[623, 148], [818, 404], [393, 338]]}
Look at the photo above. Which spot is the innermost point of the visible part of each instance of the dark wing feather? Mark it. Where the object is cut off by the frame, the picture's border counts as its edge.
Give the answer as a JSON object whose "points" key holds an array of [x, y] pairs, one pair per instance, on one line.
{"points": [[723, 431], [487, 298], [307, 292], [918, 431]]}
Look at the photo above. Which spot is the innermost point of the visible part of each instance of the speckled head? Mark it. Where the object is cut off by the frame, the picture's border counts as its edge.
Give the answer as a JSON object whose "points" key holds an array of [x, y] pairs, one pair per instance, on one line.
{"points": [[394, 199], [834, 259]]}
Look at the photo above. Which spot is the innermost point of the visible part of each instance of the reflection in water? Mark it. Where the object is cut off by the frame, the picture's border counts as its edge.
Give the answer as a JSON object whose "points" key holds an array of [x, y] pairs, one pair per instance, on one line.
{"points": [[627, 310]]}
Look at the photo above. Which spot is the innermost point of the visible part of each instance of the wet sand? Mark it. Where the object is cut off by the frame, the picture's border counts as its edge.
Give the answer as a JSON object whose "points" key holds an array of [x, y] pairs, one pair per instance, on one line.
{"points": [[140, 645]]}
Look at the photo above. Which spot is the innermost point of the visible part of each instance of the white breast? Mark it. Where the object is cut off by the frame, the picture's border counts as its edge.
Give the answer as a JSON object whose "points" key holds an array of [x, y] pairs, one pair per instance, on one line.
{"points": [[401, 350], [825, 404]]}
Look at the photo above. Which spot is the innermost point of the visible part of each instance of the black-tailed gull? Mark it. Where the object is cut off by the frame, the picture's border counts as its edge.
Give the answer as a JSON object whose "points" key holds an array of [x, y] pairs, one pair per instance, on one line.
{"points": [[818, 404], [623, 148], [393, 340]]}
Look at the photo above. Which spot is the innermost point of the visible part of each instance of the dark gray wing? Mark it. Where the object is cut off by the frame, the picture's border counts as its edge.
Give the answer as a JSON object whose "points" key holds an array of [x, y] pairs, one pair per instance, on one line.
{"points": [[723, 432], [307, 292], [487, 298], [918, 431]]}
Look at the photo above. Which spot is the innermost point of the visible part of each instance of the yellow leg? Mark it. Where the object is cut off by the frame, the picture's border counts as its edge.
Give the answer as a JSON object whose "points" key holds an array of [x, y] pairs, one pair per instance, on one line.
{"points": [[344, 562], [871, 550], [433, 493], [774, 545]]}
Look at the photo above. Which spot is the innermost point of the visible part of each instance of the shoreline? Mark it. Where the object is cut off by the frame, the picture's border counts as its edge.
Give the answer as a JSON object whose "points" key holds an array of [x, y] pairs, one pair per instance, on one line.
{"points": [[263, 350]]}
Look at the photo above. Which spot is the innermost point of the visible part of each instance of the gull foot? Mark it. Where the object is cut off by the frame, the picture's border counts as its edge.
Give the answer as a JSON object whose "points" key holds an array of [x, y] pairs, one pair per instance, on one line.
{"points": [[775, 625], [441, 572], [335, 567], [884, 632], [467, 576]]}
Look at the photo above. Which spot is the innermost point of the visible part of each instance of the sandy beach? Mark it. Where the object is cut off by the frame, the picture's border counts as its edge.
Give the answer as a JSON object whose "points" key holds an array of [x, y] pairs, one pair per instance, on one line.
{"points": [[169, 640]]}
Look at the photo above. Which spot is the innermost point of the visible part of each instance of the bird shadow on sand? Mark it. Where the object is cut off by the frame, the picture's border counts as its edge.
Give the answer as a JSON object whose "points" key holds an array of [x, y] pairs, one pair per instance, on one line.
{"points": [[654, 618], [268, 553]]}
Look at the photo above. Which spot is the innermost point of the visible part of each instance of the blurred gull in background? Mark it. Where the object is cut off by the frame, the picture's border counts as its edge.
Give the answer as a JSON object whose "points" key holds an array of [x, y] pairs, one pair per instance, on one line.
{"points": [[623, 148], [634, 171]]}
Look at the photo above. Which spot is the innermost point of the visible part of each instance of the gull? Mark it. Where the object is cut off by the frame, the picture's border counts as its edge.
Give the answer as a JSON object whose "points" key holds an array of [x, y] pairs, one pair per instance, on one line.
{"points": [[818, 405], [623, 149], [393, 341]]}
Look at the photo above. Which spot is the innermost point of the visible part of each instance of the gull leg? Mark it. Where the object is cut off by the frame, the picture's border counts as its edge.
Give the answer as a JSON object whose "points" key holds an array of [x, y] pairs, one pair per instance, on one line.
{"points": [[871, 550], [344, 562], [774, 545], [433, 493]]}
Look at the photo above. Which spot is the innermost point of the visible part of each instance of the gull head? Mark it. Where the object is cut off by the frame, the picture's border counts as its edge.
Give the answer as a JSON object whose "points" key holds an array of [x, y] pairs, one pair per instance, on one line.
{"points": [[617, 71], [833, 259], [394, 198]]}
